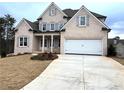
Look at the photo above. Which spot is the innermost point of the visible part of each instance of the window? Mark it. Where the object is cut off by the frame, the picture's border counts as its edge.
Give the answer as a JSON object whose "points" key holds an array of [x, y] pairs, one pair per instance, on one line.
{"points": [[23, 41], [52, 12], [45, 43], [44, 27], [56, 42], [82, 21], [52, 27]]}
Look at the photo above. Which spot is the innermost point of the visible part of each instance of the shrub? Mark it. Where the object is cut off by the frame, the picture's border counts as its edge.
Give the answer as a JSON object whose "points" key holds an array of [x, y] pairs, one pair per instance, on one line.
{"points": [[44, 56], [19, 54], [3, 53], [26, 53], [111, 50]]}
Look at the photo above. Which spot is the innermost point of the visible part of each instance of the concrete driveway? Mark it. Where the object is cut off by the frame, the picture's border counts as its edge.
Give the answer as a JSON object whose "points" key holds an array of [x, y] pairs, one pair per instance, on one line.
{"points": [[80, 72]]}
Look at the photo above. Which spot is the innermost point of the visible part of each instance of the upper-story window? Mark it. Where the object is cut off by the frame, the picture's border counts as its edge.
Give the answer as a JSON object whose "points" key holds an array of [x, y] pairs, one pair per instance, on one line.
{"points": [[82, 20], [44, 26], [52, 27], [52, 11]]}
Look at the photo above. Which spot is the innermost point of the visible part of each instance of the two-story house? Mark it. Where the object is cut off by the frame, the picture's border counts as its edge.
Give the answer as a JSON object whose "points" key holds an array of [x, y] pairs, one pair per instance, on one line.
{"points": [[63, 31]]}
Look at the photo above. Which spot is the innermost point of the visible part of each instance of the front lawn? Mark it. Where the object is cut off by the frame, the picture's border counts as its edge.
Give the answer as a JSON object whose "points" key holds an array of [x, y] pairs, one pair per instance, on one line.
{"points": [[17, 71], [120, 60]]}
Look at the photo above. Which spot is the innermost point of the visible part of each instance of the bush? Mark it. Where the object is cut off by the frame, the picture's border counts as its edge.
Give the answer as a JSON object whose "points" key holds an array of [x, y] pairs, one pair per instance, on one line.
{"points": [[111, 50], [3, 53], [44, 56], [19, 54]]}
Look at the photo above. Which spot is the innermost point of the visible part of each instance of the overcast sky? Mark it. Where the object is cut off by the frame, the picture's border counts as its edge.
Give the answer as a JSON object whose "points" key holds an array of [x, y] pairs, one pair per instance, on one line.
{"points": [[31, 11]]}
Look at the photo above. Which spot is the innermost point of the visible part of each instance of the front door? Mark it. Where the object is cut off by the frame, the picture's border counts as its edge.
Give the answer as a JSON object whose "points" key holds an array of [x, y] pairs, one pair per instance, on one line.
{"points": [[47, 43]]}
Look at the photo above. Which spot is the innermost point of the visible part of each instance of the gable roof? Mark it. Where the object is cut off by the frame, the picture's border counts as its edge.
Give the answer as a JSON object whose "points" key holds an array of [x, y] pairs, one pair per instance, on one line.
{"points": [[83, 7], [48, 8], [32, 25], [71, 13], [23, 20]]}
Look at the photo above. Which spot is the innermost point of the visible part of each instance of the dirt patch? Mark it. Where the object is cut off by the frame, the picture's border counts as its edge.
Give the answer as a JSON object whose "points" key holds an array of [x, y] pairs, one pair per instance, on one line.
{"points": [[17, 71], [120, 60]]}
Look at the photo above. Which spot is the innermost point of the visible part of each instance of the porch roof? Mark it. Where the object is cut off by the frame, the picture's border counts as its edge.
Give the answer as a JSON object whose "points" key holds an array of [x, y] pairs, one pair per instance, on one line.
{"points": [[49, 34], [39, 31]]}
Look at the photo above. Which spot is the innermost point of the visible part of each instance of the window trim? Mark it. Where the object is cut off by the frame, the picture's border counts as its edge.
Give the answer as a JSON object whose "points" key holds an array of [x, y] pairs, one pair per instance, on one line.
{"points": [[42, 26], [80, 21], [51, 26], [23, 41], [52, 13]]}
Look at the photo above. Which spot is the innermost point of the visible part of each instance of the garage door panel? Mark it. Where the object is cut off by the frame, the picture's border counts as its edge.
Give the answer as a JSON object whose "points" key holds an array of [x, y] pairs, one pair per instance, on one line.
{"points": [[83, 46]]}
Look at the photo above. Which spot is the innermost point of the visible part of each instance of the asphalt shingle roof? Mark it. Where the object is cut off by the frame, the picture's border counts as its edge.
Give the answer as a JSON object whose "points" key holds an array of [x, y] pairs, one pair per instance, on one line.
{"points": [[34, 25], [71, 13]]}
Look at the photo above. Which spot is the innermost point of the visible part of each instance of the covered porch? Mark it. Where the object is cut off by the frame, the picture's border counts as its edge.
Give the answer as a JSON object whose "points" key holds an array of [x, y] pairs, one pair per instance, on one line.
{"points": [[47, 43]]}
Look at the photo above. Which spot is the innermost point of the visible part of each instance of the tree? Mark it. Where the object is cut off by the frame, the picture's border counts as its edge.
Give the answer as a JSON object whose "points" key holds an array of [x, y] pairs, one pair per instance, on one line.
{"points": [[7, 31], [1, 30], [111, 50]]}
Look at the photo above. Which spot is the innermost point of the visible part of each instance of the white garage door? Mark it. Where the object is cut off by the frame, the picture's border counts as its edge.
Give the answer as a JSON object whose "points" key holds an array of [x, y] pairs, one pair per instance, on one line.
{"points": [[83, 46]]}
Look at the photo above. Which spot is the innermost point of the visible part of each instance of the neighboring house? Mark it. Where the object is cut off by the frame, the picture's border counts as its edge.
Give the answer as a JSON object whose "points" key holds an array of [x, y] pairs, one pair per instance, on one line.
{"points": [[115, 41], [63, 31], [118, 44]]}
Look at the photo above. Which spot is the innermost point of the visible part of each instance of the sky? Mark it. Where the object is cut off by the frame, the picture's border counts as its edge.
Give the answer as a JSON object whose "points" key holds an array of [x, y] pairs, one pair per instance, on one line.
{"points": [[32, 10]]}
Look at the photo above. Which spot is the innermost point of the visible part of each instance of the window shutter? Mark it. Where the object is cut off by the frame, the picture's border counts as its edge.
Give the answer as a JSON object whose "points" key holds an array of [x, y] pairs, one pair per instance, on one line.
{"points": [[87, 20], [55, 11], [56, 26], [47, 27], [28, 41], [77, 20], [40, 26], [17, 41], [61, 25]]}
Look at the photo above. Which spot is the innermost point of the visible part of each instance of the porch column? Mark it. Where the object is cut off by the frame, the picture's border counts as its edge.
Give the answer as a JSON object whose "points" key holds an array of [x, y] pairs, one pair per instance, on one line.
{"points": [[51, 43], [43, 43]]}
